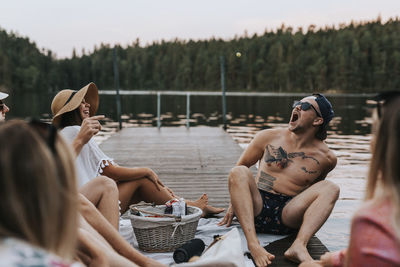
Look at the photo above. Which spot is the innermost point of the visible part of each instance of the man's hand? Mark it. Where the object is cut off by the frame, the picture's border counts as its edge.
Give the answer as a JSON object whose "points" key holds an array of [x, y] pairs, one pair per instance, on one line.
{"points": [[227, 220], [152, 176]]}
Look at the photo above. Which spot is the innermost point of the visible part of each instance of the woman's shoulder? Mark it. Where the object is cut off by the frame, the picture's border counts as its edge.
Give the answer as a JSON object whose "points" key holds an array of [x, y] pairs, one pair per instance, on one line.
{"points": [[15, 252], [376, 214], [373, 237], [70, 132], [375, 209]]}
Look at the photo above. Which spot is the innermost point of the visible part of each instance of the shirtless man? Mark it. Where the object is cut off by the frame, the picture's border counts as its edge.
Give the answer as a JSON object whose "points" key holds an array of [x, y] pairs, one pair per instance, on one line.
{"points": [[289, 193]]}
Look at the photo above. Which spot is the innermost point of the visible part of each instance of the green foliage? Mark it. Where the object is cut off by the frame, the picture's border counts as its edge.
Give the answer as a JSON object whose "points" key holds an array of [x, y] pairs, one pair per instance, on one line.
{"points": [[361, 57]]}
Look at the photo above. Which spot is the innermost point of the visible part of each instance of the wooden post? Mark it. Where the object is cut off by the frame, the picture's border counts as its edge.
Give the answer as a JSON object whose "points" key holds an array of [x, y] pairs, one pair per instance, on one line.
{"points": [[158, 110], [116, 84], [221, 58], [187, 110]]}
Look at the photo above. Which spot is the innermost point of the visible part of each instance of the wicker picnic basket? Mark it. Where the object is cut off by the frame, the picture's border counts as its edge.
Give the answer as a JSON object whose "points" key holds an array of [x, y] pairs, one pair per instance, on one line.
{"points": [[165, 232]]}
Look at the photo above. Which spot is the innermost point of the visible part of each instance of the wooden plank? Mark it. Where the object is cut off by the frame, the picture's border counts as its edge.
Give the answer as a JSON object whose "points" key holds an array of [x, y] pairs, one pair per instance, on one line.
{"points": [[314, 246], [191, 162]]}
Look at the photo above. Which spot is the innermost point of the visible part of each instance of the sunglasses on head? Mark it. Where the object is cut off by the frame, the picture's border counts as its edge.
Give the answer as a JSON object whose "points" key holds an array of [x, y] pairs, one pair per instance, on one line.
{"points": [[305, 106], [47, 131]]}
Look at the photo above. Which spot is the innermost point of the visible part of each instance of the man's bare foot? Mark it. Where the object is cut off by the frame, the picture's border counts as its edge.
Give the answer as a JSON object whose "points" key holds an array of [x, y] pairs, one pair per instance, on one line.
{"points": [[202, 203], [297, 252], [260, 256]]}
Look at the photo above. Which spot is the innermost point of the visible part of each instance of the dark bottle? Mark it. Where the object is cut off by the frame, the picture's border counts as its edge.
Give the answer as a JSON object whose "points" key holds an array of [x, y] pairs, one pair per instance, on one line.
{"points": [[192, 248]]}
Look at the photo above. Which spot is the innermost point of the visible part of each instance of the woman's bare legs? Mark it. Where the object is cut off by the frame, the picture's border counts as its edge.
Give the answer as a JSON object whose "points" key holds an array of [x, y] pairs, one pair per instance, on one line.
{"points": [[144, 190], [103, 193], [95, 251], [89, 253], [141, 183]]}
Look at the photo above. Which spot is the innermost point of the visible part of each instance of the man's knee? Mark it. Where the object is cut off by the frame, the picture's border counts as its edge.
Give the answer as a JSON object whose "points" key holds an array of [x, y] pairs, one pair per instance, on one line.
{"points": [[330, 189], [239, 175]]}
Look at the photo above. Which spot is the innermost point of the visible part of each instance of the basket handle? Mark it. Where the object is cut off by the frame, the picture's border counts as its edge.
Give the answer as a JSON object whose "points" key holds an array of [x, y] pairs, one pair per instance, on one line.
{"points": [[136, 208]]}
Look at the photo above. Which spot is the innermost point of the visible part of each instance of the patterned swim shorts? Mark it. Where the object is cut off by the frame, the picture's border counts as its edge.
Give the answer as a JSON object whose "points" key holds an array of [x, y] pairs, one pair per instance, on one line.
{"points": [[269, 220]]}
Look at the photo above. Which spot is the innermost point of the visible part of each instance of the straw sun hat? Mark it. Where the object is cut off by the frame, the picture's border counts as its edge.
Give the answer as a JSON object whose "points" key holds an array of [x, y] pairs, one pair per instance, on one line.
{"points": [[67, 100]]}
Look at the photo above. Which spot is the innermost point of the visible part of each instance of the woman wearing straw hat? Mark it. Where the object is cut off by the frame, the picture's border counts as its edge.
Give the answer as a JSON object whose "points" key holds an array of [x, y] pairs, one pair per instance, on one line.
{"points": [[3, 107], [104, 193], [74, 112]]}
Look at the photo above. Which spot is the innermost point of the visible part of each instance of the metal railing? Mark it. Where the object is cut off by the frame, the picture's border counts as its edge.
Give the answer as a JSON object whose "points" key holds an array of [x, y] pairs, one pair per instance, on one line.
{"points": [[188, 94], [175, 93]]}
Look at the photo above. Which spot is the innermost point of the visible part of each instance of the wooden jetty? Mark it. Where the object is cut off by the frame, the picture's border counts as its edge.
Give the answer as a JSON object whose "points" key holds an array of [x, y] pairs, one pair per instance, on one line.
{"points": [[191, 162]]}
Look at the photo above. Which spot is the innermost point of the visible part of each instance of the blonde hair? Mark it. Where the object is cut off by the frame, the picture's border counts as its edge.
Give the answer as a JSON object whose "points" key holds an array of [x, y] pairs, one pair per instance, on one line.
{"points": [[38, 190], [385, 167]]}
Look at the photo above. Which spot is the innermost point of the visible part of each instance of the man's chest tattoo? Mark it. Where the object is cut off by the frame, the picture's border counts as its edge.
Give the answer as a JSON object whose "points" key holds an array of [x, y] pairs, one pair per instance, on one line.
{"points": [[307, 171], [266, 181], [282, 158]]}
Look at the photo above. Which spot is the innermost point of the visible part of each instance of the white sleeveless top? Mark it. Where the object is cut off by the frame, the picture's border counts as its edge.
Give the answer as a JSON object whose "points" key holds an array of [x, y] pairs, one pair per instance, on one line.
{"points": [[90, 161]]}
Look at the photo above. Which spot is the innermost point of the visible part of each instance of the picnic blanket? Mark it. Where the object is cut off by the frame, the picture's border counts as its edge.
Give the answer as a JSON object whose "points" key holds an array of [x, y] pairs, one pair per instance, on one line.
{"points": [[206, 230]]}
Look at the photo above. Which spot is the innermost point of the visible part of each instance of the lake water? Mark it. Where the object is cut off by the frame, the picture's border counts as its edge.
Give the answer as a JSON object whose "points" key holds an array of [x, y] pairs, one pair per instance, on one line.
{"points": [[349, 135]]}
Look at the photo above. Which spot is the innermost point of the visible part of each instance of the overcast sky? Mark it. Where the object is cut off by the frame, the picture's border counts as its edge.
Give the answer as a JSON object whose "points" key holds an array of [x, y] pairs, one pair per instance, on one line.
{"points": [[63, 25]]}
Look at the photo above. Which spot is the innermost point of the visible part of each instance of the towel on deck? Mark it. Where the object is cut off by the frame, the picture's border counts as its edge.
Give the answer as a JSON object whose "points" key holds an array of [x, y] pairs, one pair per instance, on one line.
{"points": [[206, 230]]}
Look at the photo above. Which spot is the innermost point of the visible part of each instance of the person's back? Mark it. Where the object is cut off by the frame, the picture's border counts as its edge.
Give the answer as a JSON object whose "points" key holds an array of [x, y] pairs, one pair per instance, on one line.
{"points": [[373, 237]]}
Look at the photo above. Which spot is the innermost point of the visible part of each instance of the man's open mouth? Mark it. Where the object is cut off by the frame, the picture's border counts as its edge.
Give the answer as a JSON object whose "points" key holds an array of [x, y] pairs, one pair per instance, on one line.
{"points": [[295, 117]]}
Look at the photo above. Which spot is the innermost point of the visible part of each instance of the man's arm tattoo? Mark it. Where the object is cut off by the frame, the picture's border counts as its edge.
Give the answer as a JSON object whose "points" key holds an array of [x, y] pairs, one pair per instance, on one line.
{"points": [[266, 181]]}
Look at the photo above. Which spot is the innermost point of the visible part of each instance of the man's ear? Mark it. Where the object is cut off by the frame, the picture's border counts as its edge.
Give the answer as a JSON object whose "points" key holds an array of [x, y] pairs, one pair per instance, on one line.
{"points": [[318, 121]]}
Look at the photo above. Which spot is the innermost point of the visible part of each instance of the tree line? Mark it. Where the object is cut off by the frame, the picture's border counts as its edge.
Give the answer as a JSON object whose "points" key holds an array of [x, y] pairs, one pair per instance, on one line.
{"points": [[357, 57]]}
